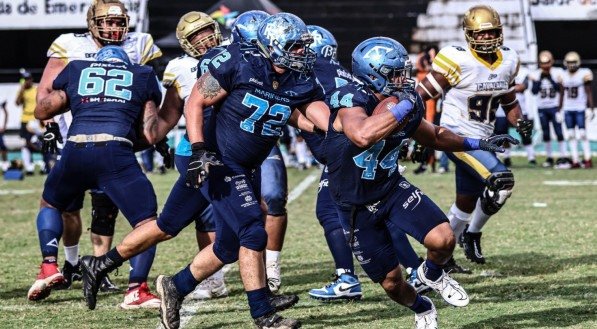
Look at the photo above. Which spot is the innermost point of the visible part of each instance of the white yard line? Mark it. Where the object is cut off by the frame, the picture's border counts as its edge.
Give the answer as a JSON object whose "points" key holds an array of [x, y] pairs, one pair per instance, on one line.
{"points": [[16, 192], [570, 182], [302, 186]]}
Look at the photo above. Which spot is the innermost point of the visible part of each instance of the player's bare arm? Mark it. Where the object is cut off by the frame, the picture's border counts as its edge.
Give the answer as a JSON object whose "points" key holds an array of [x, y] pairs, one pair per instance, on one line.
{"points": [[318, 113], [589, 92], [438, 138], [511, 107], [53, 104], [51, 71], [207, 92], [433, 86], [298, 120], [364, 130], [150, 122], [169, 112]]}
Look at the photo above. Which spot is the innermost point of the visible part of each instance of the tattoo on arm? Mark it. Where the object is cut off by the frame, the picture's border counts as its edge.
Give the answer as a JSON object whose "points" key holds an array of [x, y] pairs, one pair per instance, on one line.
{"points": [[208, 86]]}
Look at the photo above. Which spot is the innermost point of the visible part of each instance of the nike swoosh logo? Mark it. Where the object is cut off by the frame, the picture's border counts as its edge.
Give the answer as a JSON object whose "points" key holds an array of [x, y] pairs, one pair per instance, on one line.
{"points": [[346, 288]]}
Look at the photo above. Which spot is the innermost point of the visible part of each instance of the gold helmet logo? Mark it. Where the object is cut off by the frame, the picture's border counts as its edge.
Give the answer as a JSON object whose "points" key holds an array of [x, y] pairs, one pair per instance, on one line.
{"points": [[572, 60], [480, 19], [189, 33], [108, 21]]}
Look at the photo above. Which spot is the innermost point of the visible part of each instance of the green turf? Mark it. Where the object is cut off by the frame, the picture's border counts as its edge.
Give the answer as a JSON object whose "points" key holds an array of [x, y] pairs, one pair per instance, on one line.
{"points": [[541, 270]]}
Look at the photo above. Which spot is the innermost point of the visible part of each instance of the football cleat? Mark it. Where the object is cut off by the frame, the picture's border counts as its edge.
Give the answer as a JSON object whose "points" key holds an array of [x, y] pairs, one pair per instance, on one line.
{"points": [[508, 162], [171, 302], [274, 281], [274, 320], [345, 286], [210, 288], [447, 287], [471, 242], [548, 163], [411, 278], [452, 267], [282, 302], [140, 297], [563, 163], [108, 286], [532, 162], [428, 319], [71, 273], [94, 269], [587, 164], [49, 276]]}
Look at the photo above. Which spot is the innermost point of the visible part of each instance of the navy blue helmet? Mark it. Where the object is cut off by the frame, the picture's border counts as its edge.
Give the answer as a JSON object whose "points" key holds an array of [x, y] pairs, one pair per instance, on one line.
{"points": [[246, 24], [284, 39], [324, 43], [383, 64], [112, 54]]}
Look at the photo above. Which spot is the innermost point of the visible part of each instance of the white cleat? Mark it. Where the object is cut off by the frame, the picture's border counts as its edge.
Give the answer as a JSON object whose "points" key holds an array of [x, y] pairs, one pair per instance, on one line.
{"points": [[447, 287], [426, 320], [272, 270], [209, 288]]}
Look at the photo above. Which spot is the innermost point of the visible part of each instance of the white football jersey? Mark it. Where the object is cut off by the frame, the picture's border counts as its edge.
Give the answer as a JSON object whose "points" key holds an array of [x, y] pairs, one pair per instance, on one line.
{"points": [[575, 96], [181, 73], [548, 96], [81, 46], [469, 106]]}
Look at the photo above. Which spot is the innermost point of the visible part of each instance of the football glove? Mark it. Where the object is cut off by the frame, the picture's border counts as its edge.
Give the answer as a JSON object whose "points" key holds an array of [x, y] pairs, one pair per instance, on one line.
{"points": [[525, 129], [166, 152], [494, 143], [199, 163], [51, 138]]}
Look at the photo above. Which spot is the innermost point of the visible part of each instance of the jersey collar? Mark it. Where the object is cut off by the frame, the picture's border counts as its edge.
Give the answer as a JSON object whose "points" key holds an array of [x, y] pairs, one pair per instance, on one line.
{"points": [[493, 66]]}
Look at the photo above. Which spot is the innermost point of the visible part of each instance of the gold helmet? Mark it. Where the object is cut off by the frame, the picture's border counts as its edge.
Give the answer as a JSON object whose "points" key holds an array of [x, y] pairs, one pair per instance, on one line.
{"points": [[189, 25], [99, 12], [545, 57], [482, 18], [572, 60]]}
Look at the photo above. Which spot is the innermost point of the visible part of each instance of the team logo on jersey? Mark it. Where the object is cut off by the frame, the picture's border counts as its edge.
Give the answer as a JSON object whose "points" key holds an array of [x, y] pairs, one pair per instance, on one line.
{"points": [[322, 184], [492, 76], [291, 93], [414, 198], [377, 52], [275, 84], [52, 243], [404, 184]]}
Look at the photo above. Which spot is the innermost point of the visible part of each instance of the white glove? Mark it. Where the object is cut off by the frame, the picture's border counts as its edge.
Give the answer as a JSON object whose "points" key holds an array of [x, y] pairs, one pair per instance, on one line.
{"points": [[559, 116]]}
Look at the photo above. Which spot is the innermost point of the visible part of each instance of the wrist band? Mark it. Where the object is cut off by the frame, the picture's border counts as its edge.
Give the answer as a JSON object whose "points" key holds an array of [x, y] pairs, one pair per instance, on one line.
{"points": [[401, 110], [471, 144]]}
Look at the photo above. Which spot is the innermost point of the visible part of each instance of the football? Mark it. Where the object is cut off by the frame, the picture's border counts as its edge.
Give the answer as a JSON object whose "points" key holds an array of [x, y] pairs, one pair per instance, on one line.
{"points": [[385, 105]]}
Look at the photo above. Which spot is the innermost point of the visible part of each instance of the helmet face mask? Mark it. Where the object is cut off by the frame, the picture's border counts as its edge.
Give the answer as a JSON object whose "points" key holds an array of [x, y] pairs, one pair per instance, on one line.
{"points": [[284, 39], [572, 61], [197, 32], [483, 29], [383, 64], [108, 21], [246, 25]]}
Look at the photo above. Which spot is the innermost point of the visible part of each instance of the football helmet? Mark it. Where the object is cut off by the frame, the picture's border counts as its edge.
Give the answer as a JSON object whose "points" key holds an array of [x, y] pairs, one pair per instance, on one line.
{"points": [[545, 57], [324, 42], [284, 39], [572, 61], [112, 53], [98, 14], [383, 64], [478, 19], [244, 28], [189, 25]]}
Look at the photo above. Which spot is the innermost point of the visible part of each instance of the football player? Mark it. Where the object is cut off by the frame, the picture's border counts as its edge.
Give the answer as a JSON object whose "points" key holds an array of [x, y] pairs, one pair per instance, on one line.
{"points": [[106, 96], [372, 197], [578, 95], [197, 33], [256, 89], [108, 24], [474, 81], [549, 104]]}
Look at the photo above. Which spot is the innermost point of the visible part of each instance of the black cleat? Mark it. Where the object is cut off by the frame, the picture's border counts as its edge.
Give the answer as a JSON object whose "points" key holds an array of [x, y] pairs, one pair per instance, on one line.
{"points": [[472, 246], [71, 273], [508, 162], [274, 320], [94, 269], [171, 302], [452, 267], [548, 163], [108, 286], [282, 302], [533, 163]]}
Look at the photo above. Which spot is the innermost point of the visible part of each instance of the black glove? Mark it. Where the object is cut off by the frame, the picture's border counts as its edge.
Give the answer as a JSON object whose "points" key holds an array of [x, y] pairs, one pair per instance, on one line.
{"points": [[524, 128], [166, 152], [403, 152], [408, 94], [494, 143], [420, 154], [51, 138], [201, 160]]}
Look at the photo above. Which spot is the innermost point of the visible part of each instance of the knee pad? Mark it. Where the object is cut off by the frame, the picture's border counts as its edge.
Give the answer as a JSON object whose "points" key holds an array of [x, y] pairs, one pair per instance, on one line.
{"points": [[498, 190], [103, 214], [254, 237], [276, 206]]}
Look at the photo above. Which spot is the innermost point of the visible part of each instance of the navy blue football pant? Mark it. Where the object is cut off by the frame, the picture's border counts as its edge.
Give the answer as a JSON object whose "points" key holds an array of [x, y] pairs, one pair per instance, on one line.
{"points": [[234, 193], [473, 168], [575, 119], [185, 205], [274, 183], [546, 116], [369, 228]]}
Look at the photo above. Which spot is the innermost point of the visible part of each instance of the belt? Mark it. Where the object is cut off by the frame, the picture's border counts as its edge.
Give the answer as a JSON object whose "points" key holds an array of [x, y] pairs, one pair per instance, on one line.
{"points": [[98, 139]]}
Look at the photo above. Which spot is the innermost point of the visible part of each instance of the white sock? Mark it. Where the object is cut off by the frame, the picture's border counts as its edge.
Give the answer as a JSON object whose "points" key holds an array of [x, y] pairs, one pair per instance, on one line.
{"points": [[26, 156], [506, 153], [530, 152], [458, 220], [574, 149], [272, 256], [71, 254], [586, 149], [218, 276], [478, 218], [548, 149], [563, 149]]}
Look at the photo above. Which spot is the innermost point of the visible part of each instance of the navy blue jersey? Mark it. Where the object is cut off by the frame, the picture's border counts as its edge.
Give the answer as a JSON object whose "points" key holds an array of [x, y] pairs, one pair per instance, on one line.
{"points": [[107, 97], [259, 102], [331, 75], [363, 176]]}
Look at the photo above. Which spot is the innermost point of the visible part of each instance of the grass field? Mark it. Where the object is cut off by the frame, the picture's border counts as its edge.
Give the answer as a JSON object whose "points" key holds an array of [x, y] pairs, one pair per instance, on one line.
{"points": [[541, 271]]}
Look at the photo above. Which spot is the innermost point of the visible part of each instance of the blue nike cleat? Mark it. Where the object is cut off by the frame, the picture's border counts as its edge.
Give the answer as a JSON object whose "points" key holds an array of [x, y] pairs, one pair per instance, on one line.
{"points": [[345, 287]]}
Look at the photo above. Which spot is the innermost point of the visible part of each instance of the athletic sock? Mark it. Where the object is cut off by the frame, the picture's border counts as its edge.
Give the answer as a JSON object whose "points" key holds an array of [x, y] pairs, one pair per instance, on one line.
{"points": [[458, 220], [478, 218], [259, 302], [420, 305], [432, 271], [141, 265], [339, 249], [49, 231], [71, 254], [184, 281]]}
